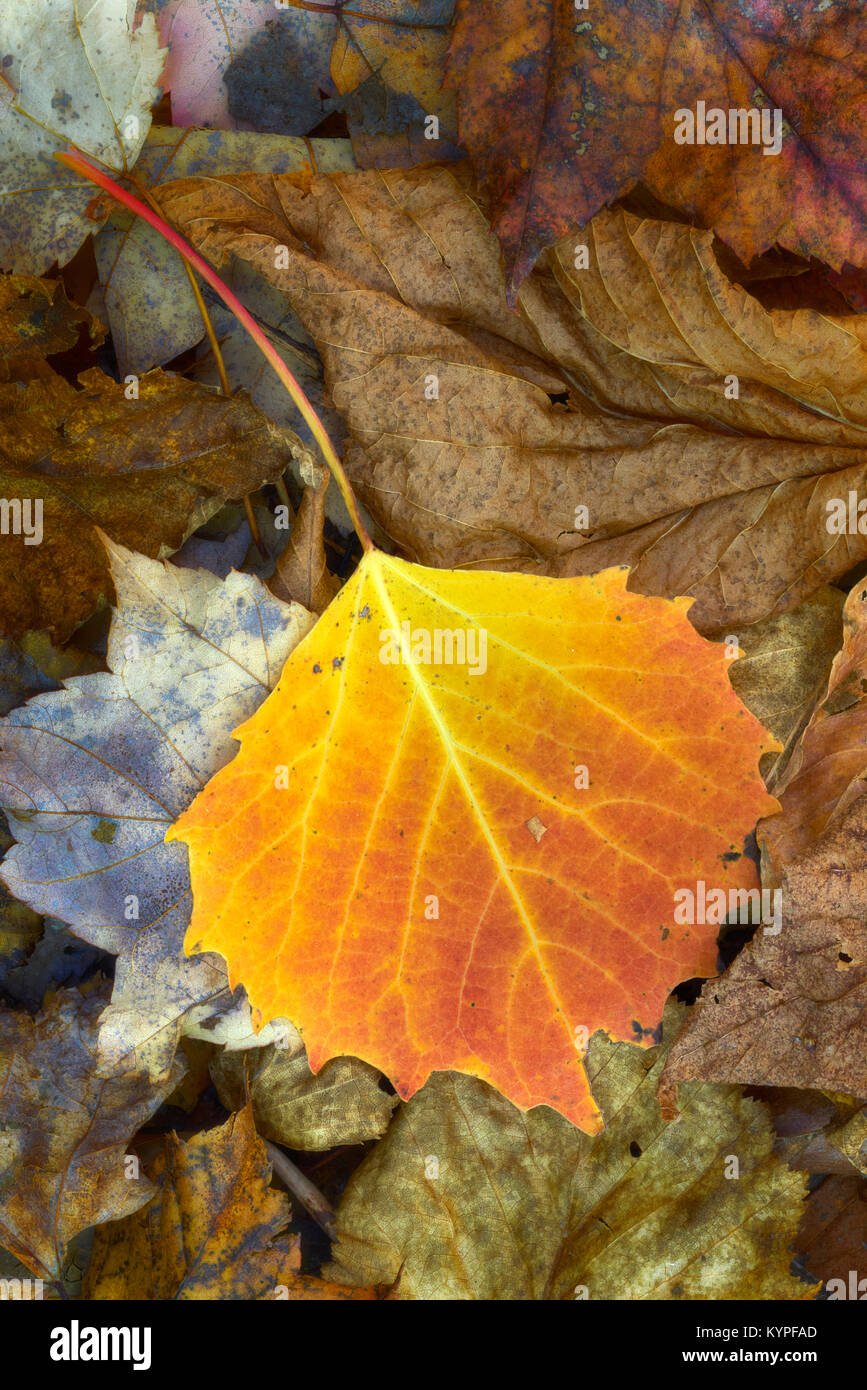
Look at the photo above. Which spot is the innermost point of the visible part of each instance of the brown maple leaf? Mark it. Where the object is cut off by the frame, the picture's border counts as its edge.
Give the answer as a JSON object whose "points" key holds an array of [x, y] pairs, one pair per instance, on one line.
{"points": [[641, 409]]}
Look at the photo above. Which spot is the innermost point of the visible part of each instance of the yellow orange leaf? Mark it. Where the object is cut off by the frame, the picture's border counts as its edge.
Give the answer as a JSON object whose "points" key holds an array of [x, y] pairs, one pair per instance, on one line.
{"points": [[439, 864]]}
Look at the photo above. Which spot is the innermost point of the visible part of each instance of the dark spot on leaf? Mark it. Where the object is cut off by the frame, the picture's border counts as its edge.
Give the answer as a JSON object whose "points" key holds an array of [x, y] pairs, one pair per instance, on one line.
{"points": [[105, 832], [275, 80], [751, 848]]}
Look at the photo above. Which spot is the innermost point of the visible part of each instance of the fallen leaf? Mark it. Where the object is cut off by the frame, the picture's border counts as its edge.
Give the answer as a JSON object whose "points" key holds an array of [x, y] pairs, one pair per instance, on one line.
{"points": [[388, 64], [468, 1198], [641, 411], [301, 572], [147, 461], [833, 1232], [94, 774], [64, 1131], [841, 1148], [785, 667], [80, 74], [49, 957], [33, 664], [215, 1229], [790, 1010], [20, 928], [228, 1023], [595, 103], [342, 1104], [828, 773], [36, 321], [196, 1078], [364, 863]]}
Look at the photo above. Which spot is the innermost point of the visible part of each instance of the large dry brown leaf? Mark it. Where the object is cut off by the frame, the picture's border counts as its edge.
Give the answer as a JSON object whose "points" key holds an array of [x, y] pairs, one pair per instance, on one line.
{"points": [[146, 469], [64, 1130], [397, 279], [469, 1198]]}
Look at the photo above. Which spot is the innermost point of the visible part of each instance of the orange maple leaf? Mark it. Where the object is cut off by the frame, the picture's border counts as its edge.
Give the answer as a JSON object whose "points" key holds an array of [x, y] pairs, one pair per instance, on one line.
{"points": [[436, 863]]}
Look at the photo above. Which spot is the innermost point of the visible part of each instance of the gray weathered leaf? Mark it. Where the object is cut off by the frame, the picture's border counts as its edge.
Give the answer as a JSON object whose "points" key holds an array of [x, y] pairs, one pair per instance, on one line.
{"points": [[74, 71], [93, 776], [64, 1130]]}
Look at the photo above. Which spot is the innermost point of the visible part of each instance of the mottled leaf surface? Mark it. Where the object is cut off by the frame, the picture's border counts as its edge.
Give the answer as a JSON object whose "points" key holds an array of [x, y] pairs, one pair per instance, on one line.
{"points": [[214, 1230], [593, 97], [64, 1130], [471, 1199], [95, 774], [74, 71]]}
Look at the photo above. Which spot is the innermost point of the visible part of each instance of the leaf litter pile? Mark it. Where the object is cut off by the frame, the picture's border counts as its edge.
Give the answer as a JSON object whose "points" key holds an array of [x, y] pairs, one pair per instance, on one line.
{"points": [[433, 548]]}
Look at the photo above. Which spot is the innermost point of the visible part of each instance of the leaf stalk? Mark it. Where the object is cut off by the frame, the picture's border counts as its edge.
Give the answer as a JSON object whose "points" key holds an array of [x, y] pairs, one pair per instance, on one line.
{"points": [[76, 161]]}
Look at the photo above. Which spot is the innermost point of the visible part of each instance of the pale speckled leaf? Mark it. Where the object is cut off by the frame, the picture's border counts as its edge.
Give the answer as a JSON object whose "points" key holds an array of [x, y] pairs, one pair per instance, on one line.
{"points": [[93, 776], [80, 75], [470, 1198]]}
